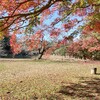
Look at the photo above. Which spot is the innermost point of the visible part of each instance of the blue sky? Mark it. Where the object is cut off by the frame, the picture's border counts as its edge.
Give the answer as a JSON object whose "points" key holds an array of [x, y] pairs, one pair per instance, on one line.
{"points": [[59, 25], [52, 17]]}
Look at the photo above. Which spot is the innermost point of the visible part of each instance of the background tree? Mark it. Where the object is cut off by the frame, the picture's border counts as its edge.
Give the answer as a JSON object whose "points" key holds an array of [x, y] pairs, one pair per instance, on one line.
{"points": [[37, 45], [15, 46], [88, 47], [5, 49]]}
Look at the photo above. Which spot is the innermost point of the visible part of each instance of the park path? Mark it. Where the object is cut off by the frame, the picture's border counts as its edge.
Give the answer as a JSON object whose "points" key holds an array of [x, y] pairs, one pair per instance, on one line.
{"points": [[15, 59]]}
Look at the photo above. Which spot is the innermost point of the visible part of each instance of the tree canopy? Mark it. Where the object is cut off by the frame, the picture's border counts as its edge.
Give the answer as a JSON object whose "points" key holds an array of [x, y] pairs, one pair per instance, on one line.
{"points": [[18, 11], [20, 16]]}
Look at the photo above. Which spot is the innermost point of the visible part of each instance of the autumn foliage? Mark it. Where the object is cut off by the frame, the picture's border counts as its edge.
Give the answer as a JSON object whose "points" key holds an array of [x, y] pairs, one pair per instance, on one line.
{"points": [[86, 48], [15, 47], [17, 16]]}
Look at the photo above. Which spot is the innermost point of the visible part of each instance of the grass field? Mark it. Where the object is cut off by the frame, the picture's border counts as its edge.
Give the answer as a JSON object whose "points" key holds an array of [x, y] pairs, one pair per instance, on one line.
{"points": [[49, 80]]}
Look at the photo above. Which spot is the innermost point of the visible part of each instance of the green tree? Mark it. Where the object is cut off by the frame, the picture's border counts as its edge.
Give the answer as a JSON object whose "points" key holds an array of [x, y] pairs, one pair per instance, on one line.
{"points": [[5, 49]]}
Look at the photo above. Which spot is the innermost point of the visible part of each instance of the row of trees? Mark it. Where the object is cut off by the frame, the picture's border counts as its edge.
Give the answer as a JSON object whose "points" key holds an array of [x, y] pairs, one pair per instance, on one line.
{"points": [[16, 50], [88, 47]]}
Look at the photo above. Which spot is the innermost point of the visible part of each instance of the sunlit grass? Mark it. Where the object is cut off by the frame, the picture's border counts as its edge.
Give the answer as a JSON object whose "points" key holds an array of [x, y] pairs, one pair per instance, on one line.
{"points": [[31, 80]]}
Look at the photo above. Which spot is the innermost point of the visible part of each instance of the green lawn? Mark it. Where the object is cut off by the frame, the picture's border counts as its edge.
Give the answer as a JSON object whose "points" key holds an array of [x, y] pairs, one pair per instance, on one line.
{"points": [[48, 80]]}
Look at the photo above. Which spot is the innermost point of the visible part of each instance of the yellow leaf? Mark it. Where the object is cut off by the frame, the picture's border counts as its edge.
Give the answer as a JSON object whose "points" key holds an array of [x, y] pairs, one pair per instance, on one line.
{"points": [[90, 1], [81, 2], [1, 36]]}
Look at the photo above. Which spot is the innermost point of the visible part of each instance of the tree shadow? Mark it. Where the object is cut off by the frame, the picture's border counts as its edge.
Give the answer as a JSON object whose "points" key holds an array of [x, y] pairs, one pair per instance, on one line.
{"points": [[89, 88], [97, 73]]}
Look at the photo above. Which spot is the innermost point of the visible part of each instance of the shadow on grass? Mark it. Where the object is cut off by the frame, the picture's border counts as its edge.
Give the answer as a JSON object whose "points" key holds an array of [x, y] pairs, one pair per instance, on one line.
{"points": [[86, 89], [97, 73], [89, 89]]}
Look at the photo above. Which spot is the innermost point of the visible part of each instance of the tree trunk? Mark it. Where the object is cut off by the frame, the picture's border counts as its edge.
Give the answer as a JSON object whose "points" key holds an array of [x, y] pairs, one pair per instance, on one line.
{"points": [[41, 54], [13, 56]]}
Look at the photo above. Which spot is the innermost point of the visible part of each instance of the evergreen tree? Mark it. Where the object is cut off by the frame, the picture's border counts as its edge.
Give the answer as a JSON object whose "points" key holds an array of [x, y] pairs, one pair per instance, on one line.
{"points": [[5, 49]]}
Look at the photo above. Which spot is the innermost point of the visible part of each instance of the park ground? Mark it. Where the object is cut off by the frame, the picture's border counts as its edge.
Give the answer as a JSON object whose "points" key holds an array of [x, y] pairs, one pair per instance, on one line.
{"points": [[49, 80]]}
